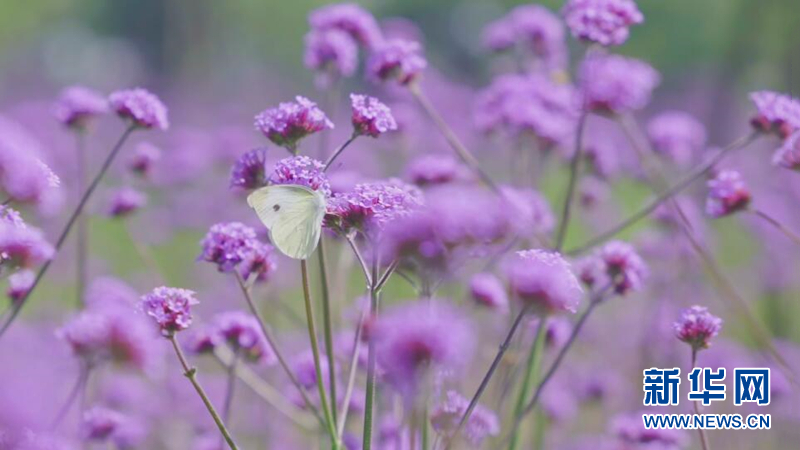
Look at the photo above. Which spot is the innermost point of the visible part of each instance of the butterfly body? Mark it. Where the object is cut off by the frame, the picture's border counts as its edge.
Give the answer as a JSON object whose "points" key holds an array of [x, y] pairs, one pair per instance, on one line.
{"points": [[293, 215]]}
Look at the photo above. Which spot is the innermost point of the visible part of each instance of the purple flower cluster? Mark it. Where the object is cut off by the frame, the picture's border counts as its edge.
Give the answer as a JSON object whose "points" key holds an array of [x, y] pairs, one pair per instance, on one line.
{"points": [[727, 194], [24, 176], [775, 113], [396, 60], [616, 266], [350, 18], [435, 169], [250, 170], [126, 201], [544, 282], [141, 107], [614, 84], [605, 22], [170, 308], [532, 27], [288, 123], [529, 104], [77, 106], [241, 332], [303, 171], [697, 327], [370, 116], [488, 291], [232, 246], [482, 423], [22, 246], [368, 207], [419, 336], [677, 135], [332, 53], [788, 154], [144, 158]]}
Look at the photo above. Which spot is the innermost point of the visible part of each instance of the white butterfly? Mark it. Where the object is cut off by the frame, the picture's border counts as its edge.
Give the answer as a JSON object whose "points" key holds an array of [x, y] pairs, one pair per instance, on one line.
{"points": [[293, 214]]}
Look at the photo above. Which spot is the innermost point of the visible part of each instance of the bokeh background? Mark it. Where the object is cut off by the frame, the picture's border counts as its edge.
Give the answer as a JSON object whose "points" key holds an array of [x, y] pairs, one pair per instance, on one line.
{"points": [[217, 63]]}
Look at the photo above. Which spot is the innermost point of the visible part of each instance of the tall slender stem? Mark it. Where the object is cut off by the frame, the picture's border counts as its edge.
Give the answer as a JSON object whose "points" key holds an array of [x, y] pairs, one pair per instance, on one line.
{"points": [[191, 374], [339, 151], [451, 137], [778, 226], [374, 298], [274, 344], [574, 169], [703, 437], [667, 194], [229, 388], [486, 378], [269, 394], [74, 394], [596, 299], [530, 376], [81, 238], [424, 429], [65, 232], [351, 379], [312, 335], [327, 325]]}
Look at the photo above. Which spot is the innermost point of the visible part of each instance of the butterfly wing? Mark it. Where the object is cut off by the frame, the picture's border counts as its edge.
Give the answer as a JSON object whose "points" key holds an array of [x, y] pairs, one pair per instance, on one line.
{"points": [[293, 214]]}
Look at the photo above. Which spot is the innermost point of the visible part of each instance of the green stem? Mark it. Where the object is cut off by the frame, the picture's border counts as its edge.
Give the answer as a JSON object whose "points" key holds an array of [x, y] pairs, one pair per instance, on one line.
{"points": [[374, 298], [191, 374], [424, 431], [65, 232], [351, 380], [275, 349], [574, 170], [82, 236], [703, 437], [530, 378], [778, 226], [312, 335], [451, 137], [327, 324], [339, 151]]}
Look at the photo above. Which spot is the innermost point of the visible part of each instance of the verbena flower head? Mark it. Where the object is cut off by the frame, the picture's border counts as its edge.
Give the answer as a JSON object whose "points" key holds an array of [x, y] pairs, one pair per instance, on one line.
{"points": [[260, 262], [110, 333], [697, 327], [170, 308], [19, 284], [141, 107], [23, 247], [416, 337], [100, 423], [396, 60], [288, 123], [727, 194], [11, 216], [435, 169], [370, 116], [605, 22], [622, 267], [534, 28], [488, 291], [533, 213], [630, 429], [242, 333], [301, 170], [24, 177], [125, 201], [227, 245], [332, 53], [481, 424], [788, 154], [544, 280], [371, 205], [250, 170], [528, 104], [145, 156], [614, 84], [350, 18], [677, 135], [77, 106], [776, 113]]}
